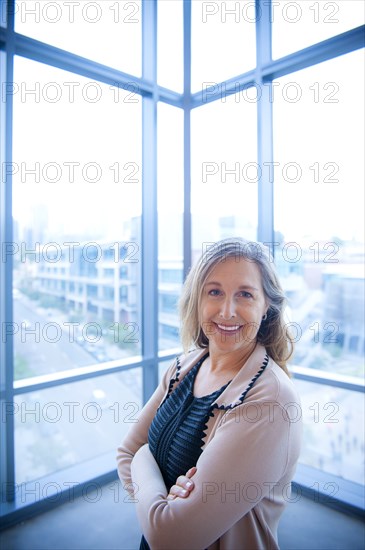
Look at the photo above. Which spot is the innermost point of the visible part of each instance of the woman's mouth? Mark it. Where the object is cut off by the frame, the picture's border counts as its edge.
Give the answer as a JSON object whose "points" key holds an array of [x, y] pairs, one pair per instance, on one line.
{"points": [[228, 329]]}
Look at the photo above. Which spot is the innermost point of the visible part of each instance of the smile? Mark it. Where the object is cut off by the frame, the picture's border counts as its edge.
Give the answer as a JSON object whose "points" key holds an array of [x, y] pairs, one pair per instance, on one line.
{"points": [[228, 328]]}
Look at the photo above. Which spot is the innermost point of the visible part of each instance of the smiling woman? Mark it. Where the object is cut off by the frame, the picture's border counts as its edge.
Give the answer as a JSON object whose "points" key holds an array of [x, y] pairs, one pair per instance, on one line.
{"points": [[230, 316], [198, 456], [230, 310], [258, 293]]}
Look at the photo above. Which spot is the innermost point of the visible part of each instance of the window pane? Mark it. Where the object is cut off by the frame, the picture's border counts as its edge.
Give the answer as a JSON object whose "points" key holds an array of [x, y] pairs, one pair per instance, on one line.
{"points": [[170, 44], [222, 41], [72, 423], [77, 200], [297, 25], [333, 438], [163, 366], [3, 15], [319, 198], [170, 221], [224, 171], [108, 32]]}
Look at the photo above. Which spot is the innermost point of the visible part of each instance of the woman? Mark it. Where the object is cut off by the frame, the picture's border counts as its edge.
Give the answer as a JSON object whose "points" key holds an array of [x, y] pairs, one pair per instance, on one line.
{"points": [[211, 458]]}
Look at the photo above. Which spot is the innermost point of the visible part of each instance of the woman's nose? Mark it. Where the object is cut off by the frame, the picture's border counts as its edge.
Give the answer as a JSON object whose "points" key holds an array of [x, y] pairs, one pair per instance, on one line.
{"points": [[228, 308]]}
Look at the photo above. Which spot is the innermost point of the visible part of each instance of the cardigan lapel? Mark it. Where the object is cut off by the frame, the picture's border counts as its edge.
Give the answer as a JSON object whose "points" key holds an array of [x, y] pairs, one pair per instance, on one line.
{"points": [[230, 396]]}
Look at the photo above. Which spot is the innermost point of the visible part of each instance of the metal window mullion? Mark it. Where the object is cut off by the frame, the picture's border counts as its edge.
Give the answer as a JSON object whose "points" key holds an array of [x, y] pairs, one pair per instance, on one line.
{"points": [[271, 69], [231, 86], [316, 377], [60, 378], [187, 229], [331, 48], [265, 225], [34, 50], [7, 468], [36, 384], [149, 230]]}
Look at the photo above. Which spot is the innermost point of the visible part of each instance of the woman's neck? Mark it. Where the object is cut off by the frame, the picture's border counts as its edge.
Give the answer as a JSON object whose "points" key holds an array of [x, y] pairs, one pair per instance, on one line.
{"points": [[232, 361]]}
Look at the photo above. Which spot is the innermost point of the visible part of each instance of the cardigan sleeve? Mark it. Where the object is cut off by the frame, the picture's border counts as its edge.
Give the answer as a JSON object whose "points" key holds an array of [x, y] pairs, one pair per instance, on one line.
{"points": [[138, 433], [236, 469]]}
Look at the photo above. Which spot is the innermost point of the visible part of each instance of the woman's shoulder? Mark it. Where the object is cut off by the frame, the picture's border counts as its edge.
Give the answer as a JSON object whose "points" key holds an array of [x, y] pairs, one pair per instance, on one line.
{"points": [[274, 397], [277, 386]]}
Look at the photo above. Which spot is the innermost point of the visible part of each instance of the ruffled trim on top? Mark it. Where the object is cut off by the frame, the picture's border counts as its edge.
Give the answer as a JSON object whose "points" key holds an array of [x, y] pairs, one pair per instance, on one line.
{"points": [[176, 379], [214, 406], [244, 393]]}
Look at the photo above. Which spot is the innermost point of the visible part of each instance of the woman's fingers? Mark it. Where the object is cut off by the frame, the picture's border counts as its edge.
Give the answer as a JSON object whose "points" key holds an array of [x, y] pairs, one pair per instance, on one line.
{"points": [[178, 491], [188, 482], [184, 485]]}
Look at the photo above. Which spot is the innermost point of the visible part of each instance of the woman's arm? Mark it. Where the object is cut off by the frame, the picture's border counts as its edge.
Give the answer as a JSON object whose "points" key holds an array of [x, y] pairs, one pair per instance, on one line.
{"points": [[244, 458], [138, 433]]}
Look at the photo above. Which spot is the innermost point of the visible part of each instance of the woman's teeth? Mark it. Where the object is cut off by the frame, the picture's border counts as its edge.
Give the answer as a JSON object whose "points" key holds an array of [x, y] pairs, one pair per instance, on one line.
{"points": [[229, 328]]}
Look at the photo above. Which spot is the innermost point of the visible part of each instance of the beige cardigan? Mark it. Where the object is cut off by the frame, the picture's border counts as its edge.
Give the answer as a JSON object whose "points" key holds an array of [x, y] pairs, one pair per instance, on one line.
{"points": [[243, 474]]}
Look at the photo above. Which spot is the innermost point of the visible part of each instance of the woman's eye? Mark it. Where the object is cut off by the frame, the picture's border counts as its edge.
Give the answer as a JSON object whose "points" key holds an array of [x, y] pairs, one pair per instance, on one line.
{"points": [[214, 292], [246, 294]]}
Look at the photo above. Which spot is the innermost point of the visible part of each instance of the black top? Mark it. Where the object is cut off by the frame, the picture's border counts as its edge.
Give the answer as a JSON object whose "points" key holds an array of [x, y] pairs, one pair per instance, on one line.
{"points": [[176, 433]]}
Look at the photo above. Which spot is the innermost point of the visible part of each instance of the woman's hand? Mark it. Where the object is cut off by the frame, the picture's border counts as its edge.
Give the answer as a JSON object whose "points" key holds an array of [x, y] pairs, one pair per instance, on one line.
{"points": [[184, 485]]}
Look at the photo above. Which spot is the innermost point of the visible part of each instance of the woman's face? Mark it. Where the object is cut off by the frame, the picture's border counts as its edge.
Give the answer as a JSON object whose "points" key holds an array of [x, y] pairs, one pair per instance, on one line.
{"points": [[232, 305]]}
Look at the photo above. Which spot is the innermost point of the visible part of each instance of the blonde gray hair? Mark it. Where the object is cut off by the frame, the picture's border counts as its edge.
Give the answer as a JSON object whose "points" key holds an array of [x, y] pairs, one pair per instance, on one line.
{"points": [[273, 333]]}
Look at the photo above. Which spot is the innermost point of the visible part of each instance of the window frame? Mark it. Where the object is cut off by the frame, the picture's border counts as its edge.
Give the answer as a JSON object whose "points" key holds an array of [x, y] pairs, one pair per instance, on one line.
{"points": [[14, 509]]}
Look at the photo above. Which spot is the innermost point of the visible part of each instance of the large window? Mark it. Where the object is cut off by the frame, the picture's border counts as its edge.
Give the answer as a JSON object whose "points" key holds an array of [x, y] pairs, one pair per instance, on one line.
{"points": [[74, 26], [222, 40], [170, 197], [59, 427], [319, 197], [224, 170], [124, 153], [77, 211]]}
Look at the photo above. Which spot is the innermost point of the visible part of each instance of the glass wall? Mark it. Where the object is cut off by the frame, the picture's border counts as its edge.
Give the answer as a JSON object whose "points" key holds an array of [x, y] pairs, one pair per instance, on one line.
{"points": [[77, 211], [73, 423], [297, 25], [224, 170], [319, 193], [170, 178], [170, 45], [222, 41], [74, 26], [333, 421], [116, 176]]}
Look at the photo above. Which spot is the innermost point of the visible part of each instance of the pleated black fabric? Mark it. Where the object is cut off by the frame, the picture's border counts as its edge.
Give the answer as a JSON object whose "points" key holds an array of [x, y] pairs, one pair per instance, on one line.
{"points": [[176, 433]]}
